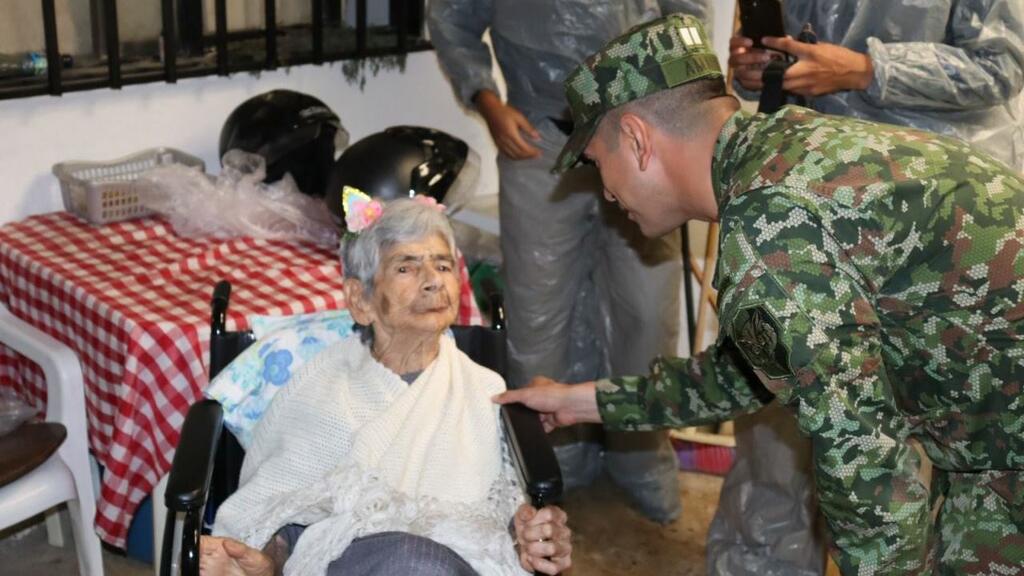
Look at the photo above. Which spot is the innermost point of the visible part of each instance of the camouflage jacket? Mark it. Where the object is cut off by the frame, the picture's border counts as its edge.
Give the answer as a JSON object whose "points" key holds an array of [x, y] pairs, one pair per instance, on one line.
{"points": [[873, 278]]}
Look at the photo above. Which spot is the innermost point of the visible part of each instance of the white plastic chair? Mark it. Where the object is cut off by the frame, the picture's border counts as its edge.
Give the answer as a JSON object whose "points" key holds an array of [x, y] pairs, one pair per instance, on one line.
{"points": [[65, 475]]}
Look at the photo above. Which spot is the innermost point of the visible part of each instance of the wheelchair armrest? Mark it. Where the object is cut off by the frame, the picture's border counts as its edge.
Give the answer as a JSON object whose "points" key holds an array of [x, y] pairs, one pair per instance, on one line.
{"points": [[533, 454], [219, 306], [189, 480]]}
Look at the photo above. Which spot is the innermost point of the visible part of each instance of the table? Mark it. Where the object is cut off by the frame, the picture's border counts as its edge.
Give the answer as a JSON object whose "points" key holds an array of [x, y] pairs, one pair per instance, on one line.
{"points": [[132, 299]]}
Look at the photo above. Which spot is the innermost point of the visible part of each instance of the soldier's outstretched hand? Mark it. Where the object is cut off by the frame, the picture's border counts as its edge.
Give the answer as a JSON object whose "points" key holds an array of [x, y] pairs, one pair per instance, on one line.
{"points": [[559, 404]]}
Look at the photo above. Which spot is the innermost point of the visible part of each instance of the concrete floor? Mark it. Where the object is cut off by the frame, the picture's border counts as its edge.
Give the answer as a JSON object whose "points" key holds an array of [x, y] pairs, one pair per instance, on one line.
{"points": [[25, 552], [609, 538]]}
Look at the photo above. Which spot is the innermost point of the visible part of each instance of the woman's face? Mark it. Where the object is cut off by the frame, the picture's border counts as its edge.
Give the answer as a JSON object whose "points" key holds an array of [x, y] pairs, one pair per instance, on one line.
{"points": [[416, 289]]}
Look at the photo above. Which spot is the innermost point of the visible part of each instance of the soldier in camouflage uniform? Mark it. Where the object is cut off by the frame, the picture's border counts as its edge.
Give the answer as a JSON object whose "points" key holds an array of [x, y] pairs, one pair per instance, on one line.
{"points": [[871, 277]]}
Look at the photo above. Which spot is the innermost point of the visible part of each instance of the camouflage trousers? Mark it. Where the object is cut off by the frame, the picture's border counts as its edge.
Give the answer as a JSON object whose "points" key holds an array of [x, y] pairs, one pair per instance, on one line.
{"points": [[980, 527]]}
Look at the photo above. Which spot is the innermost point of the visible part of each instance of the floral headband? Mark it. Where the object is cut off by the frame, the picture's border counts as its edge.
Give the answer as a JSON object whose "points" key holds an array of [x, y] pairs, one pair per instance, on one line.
{"points": [[361, 211]]}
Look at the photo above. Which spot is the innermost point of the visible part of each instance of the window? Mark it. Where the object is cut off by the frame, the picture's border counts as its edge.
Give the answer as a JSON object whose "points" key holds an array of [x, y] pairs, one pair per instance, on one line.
{"points": [[55, 46]]}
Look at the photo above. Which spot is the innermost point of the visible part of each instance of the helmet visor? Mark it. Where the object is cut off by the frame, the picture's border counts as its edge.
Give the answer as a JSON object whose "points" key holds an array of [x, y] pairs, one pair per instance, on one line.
{"points": [[464, 188]]}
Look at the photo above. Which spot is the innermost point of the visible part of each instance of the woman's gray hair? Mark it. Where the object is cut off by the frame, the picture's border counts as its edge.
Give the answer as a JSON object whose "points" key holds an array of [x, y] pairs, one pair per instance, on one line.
{"points": [[402, 220]]}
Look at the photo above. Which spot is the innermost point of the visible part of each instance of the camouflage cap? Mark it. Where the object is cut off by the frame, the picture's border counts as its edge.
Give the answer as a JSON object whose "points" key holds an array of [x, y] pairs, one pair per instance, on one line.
{"points": [[660, 54]]}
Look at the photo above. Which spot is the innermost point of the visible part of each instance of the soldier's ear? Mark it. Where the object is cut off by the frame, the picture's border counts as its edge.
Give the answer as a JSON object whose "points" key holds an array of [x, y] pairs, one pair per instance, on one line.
{"points": [[637, 137]]}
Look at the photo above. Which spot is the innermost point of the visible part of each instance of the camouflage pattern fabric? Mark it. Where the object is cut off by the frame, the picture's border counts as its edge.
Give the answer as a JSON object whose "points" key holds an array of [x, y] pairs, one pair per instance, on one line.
{"points": [[873, 278], [982, 522], [660, 54]]}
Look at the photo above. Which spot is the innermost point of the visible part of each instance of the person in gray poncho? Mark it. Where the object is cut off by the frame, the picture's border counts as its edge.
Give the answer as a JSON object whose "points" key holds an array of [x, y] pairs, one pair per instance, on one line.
{"points": [[586, 295], [953, 67]]}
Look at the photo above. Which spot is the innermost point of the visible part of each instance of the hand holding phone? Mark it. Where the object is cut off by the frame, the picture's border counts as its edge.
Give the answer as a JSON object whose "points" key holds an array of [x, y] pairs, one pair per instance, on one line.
{"points": [[760, 18]]}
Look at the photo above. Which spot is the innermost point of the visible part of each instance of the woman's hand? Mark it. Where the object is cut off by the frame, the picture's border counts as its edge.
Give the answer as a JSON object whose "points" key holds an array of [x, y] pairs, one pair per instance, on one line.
{"points": [[226, 556], [822, 68], [508, 126], [543, 540]]}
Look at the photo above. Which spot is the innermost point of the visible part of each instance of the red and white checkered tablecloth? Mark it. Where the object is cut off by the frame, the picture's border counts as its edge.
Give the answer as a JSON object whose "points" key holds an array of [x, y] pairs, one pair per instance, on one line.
{"points": [[132, 299]]}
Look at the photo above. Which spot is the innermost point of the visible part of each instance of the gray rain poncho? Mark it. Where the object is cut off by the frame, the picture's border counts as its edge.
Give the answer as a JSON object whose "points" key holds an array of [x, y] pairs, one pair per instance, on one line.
{"points": [[537, 42], [584, 298], [954, 67]]}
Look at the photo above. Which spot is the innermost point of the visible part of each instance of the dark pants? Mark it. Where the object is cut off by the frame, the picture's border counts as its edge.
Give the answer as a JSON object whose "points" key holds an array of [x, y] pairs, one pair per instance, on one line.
{"points": [[390, 553]]}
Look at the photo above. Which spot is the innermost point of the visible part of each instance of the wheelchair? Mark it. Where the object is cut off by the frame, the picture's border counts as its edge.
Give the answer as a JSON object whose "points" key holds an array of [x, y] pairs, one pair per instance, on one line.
{"points": [[208, 459]]}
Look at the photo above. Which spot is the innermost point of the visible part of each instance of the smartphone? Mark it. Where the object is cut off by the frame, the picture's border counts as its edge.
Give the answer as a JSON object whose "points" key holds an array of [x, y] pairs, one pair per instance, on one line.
{"points": [[760, 18]]}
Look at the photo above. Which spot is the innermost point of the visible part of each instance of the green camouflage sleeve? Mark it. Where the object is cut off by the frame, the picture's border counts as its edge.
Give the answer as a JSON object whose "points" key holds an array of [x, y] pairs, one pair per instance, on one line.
{"points": [[801, 314], [709, 387]]}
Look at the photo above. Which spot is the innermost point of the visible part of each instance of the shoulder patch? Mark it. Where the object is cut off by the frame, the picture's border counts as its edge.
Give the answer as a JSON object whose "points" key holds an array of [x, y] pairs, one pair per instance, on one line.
{"points": [[758, 336]]}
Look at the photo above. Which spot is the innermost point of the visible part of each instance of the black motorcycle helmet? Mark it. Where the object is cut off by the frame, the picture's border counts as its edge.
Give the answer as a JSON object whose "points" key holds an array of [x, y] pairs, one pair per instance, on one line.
{"points": [[401, 162], [294, 132]]}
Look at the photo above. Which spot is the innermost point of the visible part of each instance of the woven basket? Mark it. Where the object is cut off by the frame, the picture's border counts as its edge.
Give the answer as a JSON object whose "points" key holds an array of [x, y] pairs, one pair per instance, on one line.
{"points": [[104, 192]]}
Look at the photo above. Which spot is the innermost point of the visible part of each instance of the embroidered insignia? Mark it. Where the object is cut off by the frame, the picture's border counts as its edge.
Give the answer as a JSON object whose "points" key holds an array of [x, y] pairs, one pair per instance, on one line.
{"points": [[759, 338]]}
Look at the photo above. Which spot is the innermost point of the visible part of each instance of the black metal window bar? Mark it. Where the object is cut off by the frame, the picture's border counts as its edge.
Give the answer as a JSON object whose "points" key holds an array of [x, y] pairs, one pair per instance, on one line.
{"points": [[183, 41]]}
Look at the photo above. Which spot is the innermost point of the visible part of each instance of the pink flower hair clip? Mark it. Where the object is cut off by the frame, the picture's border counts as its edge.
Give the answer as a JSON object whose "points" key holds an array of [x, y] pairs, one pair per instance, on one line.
{"points": [[429, 201], [361, 211]]}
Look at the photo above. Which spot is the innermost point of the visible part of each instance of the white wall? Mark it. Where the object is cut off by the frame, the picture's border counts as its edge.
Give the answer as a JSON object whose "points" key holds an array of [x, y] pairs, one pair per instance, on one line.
{"points": [[21, 26], [36, 133]]}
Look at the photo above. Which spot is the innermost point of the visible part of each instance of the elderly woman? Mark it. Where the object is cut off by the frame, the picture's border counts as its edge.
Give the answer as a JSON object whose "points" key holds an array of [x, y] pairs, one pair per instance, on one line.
{"points": [[384, 454]]}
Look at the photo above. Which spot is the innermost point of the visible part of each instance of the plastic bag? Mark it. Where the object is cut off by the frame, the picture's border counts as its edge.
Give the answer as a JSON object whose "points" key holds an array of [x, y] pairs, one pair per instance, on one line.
{"points": [[475, 223], [236, 203], [13, 412], [766, 523]]}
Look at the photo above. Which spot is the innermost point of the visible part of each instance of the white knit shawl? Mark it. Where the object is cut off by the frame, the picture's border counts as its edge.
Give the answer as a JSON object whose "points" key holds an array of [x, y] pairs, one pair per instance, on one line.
{"points": [[350, 449]]}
